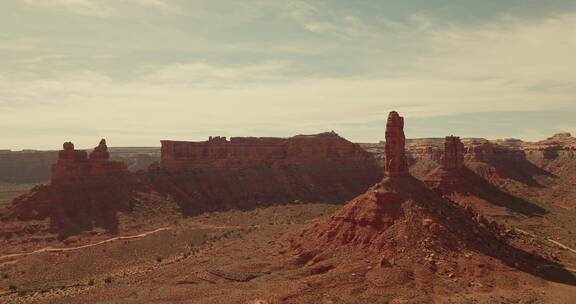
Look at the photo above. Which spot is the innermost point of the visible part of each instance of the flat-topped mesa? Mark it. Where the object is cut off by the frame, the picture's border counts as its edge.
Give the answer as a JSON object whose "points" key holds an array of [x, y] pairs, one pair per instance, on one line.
{"points": [[243, 172], [453, 157], [242, 152], [75, 168], [396, 163]]}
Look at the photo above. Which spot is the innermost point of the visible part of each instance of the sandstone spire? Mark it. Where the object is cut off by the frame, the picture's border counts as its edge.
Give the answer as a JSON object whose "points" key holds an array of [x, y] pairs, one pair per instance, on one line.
{"points": [[396, 163], [100, 152], [449, 174], [453, 153]]}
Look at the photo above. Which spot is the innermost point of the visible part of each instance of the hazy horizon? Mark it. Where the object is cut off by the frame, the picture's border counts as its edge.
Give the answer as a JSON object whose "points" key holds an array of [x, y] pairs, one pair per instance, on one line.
{"points": [[138, 71]]}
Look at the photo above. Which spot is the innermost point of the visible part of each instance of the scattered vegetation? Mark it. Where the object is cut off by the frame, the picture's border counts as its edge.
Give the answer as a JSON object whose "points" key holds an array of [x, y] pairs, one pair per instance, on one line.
{"points": [[5, 276]]}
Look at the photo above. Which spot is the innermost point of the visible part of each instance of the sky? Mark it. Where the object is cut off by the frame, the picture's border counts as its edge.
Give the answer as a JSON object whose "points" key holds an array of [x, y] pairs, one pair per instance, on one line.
{"points": [[138, 71]]}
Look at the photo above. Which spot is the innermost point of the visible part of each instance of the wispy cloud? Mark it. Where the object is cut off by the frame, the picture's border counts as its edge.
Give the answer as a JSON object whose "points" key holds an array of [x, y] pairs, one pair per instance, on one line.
{"points": [[98, 8]]}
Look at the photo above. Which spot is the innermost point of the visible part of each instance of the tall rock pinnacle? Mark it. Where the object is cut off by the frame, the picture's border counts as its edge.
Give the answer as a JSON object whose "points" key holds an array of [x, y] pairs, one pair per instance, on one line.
{"points": [[396, 164], [453, 153]]}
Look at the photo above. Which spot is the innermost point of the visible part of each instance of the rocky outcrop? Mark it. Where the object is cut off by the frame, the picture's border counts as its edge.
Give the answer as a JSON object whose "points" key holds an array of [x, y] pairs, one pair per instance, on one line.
{"points": [[83, 192], [74, 168], [407, 226], [449, 173], [244, 172], [399, 211], [396, 163]]}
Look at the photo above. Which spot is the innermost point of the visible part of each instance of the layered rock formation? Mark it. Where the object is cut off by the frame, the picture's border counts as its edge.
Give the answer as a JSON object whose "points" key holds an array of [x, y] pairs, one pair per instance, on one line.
{"points": [[561, 145], [74, 168], [246, 172], [402, 221], [83, 192]]}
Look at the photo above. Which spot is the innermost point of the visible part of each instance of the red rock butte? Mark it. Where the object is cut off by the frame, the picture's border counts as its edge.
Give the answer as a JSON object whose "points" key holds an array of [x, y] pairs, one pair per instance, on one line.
{"points": [[75, 168], [243, 172], [83, 192], [239, 152]]}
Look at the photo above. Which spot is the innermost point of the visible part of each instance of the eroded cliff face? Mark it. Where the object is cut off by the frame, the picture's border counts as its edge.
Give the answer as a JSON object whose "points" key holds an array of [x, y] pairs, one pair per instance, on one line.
{"points": [[248, 172], [84, 192]]}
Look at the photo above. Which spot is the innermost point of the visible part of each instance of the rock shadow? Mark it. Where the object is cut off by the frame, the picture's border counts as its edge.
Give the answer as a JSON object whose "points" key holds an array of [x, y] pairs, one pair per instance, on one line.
{"points": [[473, 184], [520, 170], [490, 244]]}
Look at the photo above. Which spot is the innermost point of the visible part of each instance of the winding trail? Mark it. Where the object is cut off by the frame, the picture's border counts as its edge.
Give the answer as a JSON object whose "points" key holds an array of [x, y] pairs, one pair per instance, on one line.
{"points": [[547, 239], [118, 238], [52, 249]]}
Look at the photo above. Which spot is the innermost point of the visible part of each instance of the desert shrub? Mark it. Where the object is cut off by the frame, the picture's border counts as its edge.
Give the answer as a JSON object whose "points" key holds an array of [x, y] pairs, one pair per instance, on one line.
{"points": [[108, 280], [22, 293], [158, 259], [12, 287], [91, 282]]}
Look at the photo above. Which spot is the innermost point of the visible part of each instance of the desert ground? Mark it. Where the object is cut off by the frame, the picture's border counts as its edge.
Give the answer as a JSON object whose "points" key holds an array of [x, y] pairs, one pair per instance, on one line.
{"points": [[241, 257]]}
